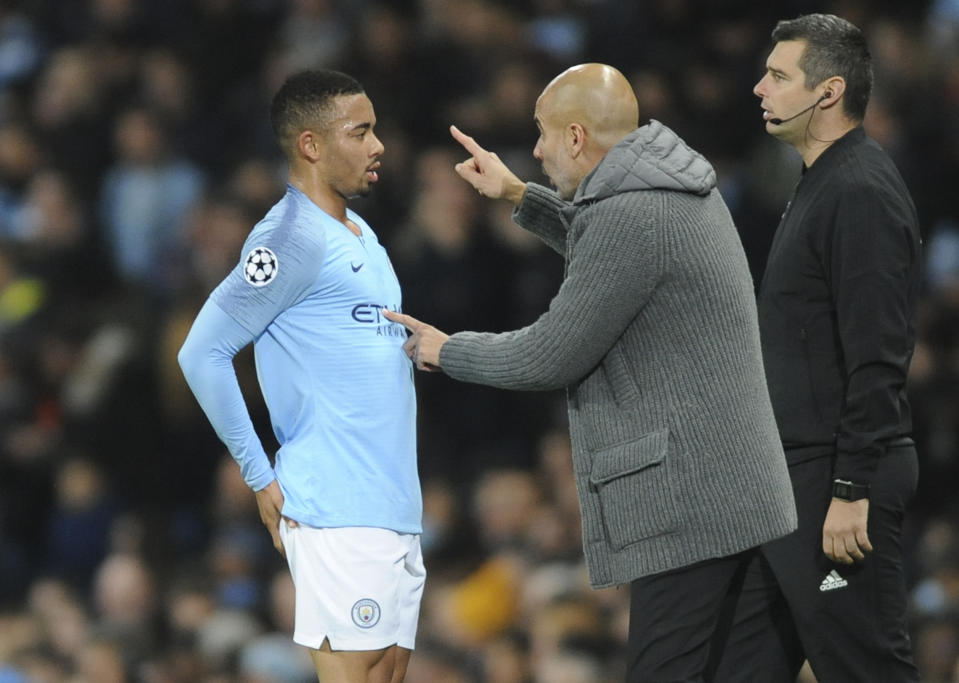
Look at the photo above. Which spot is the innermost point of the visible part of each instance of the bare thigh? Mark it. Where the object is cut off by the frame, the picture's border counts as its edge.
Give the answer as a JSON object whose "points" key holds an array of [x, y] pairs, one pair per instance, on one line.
{"points": [[366, 666]]}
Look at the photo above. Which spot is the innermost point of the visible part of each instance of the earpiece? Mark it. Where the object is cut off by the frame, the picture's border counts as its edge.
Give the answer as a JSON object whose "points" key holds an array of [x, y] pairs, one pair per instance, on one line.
{"points": [[826, 95]]}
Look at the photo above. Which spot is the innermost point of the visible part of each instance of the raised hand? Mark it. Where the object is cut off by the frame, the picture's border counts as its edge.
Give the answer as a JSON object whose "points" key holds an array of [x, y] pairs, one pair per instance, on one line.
{"points": [[486, 173]]}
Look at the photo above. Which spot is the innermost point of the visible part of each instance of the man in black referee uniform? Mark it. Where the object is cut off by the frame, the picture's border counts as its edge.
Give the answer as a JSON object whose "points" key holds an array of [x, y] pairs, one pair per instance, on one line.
{"points": [[836, 311]]}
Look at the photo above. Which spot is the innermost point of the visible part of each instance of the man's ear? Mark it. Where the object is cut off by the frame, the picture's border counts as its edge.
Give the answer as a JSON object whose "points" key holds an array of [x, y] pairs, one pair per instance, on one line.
{"points": [[309, 144], [574, 137], [833, 91]]}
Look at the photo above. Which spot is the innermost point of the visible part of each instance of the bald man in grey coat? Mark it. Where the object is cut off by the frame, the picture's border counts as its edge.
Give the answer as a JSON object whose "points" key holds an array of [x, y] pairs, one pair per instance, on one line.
{"points": [[654, 335]]}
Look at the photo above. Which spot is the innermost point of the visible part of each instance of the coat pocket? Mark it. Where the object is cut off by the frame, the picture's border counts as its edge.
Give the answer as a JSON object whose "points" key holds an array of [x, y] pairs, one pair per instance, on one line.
{"points": [[633, 483]]}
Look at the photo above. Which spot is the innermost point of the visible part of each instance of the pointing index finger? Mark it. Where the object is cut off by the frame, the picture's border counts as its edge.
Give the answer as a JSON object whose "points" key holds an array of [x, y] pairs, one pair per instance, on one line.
{"points": [[407, 321], [469, 143]]}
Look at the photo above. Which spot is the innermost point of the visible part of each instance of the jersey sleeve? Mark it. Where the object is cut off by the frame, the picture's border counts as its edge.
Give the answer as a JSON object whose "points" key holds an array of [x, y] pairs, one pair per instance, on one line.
{"points": [[277, 270], [206, 359]]}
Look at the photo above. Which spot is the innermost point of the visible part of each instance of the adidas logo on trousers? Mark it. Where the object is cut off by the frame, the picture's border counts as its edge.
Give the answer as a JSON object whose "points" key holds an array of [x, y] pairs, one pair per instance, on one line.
{"points": [[833, 581]]}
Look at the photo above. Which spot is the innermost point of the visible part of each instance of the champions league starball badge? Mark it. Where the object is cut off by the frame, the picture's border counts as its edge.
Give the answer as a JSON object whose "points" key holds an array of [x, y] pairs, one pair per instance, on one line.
{"points": [[366, 613], [260, 267]]}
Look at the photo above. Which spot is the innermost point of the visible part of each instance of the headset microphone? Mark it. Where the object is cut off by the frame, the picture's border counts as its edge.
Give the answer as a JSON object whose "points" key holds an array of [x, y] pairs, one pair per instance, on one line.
{"points": [[825, 96]]}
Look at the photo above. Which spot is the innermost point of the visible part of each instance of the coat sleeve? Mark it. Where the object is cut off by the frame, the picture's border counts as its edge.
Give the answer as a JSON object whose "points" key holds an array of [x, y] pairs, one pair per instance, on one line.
{"points": [[873, 267], [539, 213], [613, 269]]}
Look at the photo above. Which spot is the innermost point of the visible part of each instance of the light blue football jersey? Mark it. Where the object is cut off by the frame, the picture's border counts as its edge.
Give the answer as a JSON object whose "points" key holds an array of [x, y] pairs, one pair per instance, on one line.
{"points": [[339, 387]]}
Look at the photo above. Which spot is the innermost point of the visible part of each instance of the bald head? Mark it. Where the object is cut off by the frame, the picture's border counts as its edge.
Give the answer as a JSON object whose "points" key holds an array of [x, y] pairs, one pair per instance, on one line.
{"points": [[596, 96]]}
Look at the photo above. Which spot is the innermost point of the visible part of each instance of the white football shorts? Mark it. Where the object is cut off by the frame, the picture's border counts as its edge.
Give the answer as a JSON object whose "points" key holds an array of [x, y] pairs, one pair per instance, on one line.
{"points": [[359, 587]]}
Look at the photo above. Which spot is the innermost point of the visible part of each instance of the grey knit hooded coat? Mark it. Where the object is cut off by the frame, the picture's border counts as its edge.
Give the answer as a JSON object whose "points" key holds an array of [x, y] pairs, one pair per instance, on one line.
{"points": [[655, 337]]}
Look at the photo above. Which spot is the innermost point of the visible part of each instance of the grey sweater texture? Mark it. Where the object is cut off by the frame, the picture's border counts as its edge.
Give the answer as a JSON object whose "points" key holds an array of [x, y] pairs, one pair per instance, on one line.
{"points": [[654, 335]]}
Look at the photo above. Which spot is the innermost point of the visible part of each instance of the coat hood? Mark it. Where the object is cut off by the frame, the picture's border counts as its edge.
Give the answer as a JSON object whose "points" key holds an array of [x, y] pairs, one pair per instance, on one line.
{"points": [[652, 157]]}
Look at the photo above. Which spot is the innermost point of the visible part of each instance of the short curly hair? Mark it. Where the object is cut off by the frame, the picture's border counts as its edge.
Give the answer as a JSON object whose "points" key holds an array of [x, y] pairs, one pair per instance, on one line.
{"points": [[306, 100]]}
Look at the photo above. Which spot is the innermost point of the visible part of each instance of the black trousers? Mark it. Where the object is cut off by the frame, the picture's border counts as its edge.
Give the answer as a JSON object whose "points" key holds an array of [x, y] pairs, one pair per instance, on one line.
{"points": [[849, 621], [675, 616]]}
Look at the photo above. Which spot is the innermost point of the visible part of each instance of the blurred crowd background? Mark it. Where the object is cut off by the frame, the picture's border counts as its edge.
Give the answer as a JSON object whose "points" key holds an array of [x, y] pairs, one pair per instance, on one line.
{"points": [[136, 154]]}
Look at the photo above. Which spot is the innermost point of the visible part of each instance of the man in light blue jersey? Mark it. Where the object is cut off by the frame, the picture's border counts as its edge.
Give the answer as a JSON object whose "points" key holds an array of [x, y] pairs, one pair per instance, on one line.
{"points": [[342, 501]]}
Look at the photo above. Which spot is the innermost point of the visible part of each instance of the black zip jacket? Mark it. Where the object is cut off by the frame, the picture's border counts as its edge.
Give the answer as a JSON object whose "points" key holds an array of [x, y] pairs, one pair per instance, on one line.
{"points": [[836, 308]]}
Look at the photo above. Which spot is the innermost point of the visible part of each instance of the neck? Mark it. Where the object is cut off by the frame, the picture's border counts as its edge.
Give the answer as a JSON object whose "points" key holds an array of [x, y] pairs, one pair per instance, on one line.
{"points": [[320, 194], [817, 139], [596, 152]]}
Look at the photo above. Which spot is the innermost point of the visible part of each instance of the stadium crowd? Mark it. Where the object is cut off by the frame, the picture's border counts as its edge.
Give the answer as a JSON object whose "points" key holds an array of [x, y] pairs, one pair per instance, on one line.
{"points": [[135, 155]]}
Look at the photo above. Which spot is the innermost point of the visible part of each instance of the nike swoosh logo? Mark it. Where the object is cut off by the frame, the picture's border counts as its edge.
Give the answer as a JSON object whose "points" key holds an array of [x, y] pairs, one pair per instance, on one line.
{"points": [[356, 269]]}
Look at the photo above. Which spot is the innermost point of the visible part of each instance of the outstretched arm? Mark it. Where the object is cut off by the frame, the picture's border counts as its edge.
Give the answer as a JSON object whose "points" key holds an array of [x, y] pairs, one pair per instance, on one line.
{"points": [[617, 266]]}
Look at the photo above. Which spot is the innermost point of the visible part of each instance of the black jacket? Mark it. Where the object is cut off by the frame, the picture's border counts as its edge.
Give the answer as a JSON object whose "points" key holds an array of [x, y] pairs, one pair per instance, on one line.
{"points": [[837, 306]]}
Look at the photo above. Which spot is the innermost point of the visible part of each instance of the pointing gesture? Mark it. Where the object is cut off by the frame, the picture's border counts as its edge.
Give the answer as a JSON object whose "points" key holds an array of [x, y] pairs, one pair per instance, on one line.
{"points": [[424, 345], [485, 172]]}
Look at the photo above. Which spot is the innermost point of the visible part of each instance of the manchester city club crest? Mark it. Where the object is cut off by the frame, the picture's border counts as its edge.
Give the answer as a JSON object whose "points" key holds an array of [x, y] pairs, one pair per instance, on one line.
{"points": [[260, 266], [366, 613]]}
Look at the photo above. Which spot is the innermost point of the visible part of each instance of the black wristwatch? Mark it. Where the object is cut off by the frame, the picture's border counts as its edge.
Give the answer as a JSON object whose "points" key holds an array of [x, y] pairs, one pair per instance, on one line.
{"points": [[847, 491]]}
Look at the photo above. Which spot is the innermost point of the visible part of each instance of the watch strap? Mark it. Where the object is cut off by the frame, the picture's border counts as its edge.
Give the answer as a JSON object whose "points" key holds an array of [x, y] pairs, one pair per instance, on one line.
{"points": [[843, 489]]}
